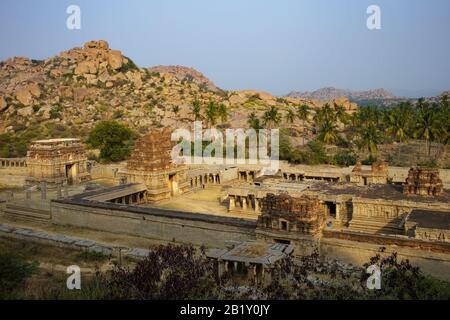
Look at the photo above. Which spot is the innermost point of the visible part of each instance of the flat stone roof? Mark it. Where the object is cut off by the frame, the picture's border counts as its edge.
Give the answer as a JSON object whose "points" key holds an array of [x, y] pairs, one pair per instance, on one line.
{"points": [[253, 252], [376, 191], [430, 219]]}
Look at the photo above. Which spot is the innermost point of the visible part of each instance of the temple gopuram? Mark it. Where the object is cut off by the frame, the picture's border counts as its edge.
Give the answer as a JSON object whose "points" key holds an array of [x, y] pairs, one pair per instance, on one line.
{"points": [[151, 164]]}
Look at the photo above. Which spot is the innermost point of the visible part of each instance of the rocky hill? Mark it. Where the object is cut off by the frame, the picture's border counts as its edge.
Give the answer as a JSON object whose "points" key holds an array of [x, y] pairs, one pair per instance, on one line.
{"points": [[65, 95], [330, 93], [186, 74]]}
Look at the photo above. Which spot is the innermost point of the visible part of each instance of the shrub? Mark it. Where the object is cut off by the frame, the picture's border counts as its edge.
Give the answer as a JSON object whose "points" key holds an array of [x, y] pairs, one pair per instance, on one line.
{"points": [[345, 158], [14, 270]]}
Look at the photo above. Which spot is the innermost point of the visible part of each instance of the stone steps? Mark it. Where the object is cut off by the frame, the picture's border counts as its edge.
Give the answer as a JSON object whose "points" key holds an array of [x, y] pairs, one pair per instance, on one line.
{"points": [[376, 225], [25, 213]]}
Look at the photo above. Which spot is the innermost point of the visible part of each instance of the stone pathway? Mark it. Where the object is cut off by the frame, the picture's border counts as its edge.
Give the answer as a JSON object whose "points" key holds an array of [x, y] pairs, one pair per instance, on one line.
{"points": [[72, 242]]}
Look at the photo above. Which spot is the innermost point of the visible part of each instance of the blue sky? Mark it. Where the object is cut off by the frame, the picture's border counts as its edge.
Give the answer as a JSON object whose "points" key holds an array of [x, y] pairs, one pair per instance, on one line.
{"points": [[274, 46]]}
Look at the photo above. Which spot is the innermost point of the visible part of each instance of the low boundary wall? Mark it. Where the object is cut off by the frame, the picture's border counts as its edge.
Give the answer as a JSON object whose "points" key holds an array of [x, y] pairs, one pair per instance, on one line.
{"points": [[167, 225]]}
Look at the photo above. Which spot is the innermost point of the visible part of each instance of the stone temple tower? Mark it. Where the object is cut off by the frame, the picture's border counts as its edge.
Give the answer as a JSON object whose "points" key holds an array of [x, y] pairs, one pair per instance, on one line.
{"points": [[151, 164]]}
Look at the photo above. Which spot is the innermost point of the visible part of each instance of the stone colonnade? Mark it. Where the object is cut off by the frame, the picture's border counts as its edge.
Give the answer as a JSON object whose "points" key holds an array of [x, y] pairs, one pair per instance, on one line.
{"points": [[13, 162], [134, 198], [201, 180], [294, 176], [247, 175], [246, 203], [290, 176], [250, 270]]}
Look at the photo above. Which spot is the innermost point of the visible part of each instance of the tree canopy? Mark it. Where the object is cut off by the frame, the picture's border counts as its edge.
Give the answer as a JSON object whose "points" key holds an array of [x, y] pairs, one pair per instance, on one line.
{"points": [[113, 139]]}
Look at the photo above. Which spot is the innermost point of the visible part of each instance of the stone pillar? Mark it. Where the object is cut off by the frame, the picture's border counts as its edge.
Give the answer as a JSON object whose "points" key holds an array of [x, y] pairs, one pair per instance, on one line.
{"points": [[221, 267], [251, 272], [43, 190], [244, 203], [58, 192], [232, 203], [257, 206]]}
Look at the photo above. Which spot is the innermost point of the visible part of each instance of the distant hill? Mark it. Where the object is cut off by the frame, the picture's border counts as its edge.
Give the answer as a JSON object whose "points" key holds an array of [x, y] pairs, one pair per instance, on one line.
{"points": [[330, 93], [377, 97]]}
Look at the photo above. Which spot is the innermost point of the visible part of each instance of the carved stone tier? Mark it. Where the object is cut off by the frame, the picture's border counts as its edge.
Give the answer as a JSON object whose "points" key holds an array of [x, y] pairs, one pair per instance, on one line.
{"points": [[423, 182]]}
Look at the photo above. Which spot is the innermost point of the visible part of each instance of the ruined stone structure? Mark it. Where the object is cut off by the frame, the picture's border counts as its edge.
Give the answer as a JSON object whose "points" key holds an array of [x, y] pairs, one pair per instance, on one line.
{"points": [[250, 260], [423, 182], [151, 164], [56, 162], [428, 225], [286, 213], [291, 220], [378, 174]]}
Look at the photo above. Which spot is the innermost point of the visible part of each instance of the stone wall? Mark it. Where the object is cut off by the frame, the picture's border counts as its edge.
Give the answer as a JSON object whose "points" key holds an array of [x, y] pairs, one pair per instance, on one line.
{"points": [[433, 262], [12, 180], [154, 223], [386, 216]]}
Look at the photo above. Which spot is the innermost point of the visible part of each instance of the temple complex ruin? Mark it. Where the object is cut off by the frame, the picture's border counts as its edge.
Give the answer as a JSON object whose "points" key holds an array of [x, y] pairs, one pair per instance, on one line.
{"points": [[297, 210]]}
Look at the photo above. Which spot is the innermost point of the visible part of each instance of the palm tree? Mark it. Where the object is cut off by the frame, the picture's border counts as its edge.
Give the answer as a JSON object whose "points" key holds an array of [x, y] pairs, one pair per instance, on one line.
{"points": [[444, 116], [303, 113], [253, 121], [290, 116], [222, 112], [341, 114], [328, 131], [398, 124], [427, 127], [369, 137], [211, 113], [271, 117], [324, 113], [196, 110]]}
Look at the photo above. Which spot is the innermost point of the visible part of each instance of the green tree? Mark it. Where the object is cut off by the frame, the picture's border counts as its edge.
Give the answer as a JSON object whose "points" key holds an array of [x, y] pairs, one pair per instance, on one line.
{"points": [[397, 124], [303, 113], [222, 112], [113, 139], [369, 137], [271, 117], [196, 110], [427, 126], [328, 131], [290, 116], [253, 121], [211, 114], [341, 113]]}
